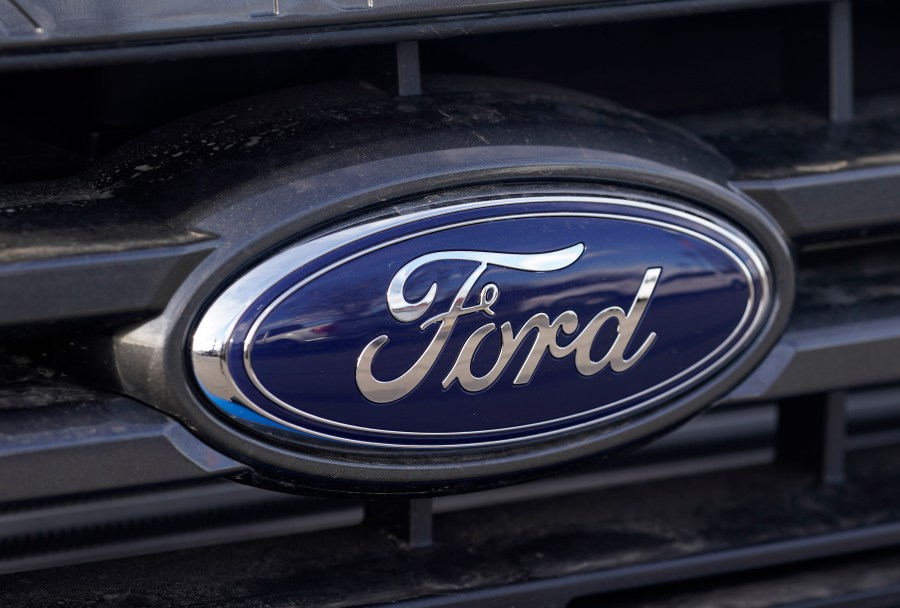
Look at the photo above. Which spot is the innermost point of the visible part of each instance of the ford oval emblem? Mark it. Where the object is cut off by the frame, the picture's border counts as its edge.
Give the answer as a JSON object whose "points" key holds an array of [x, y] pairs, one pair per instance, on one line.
{"points": [[482, 323]]}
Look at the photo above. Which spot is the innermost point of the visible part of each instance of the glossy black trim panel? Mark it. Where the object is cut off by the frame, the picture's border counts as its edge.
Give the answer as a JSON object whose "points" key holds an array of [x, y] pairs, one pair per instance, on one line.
{"points": [[79, 287], [827, 358], [108, 443], [815, 206]]}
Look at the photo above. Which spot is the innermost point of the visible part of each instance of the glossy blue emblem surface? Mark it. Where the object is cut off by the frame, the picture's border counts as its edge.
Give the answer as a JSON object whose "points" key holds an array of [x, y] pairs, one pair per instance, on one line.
{"points": [[481, 323]]}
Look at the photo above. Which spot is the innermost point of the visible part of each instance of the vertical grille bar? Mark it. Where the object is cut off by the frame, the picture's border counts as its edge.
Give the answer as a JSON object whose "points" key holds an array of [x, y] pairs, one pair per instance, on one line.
{"points": [[840, 44]]}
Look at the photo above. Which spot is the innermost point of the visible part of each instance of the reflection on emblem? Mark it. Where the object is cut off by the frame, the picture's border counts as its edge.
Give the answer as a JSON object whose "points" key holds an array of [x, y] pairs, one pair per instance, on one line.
{"points": [[546, 339]]}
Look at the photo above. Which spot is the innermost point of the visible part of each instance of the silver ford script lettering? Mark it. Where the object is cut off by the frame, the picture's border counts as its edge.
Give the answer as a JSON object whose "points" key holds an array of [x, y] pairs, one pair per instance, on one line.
{"points": [[386, 391]]}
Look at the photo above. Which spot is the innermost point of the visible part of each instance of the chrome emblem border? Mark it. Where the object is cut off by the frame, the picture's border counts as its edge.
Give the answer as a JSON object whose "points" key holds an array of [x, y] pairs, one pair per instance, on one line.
{"points": [[208, 350]]}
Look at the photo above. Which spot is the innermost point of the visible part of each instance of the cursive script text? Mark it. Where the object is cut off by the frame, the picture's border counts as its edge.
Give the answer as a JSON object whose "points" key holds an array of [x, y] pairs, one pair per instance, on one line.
{"points": [[379, 391]]}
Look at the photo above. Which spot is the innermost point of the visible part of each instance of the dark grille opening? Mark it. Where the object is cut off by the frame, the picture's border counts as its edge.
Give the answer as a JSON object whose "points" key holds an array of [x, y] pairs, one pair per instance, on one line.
{"points": [[877, 47], [663, 67], [108, 106]]}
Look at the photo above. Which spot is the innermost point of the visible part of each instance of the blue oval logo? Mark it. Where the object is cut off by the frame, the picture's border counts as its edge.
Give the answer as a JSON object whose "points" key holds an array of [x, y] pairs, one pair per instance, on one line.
{"points": [[483, 323]]}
